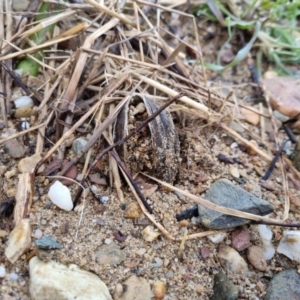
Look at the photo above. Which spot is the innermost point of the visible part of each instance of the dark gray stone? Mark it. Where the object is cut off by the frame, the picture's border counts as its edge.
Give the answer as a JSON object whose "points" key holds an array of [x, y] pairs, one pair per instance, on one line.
{"points": [[226, 194], [109, 255], [14, 148], [223, 288], [47, 242], [284, 285]]}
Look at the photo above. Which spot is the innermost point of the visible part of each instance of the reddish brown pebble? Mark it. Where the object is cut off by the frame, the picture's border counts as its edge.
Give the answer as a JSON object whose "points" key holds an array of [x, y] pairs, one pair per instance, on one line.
{"points": [[71, 173], [183, 223], [240, 239], [205, 252], [256, 258]]}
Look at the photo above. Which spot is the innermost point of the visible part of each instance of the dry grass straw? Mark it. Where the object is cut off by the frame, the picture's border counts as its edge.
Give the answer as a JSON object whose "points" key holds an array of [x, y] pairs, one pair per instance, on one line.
{"points": [[119, 53]]}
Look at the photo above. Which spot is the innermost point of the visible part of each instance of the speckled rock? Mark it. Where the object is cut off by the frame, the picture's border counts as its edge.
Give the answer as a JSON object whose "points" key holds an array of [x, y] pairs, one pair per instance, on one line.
{"points": [[284, 285], [223, 288], [109, 255], [256, 257], [137, 288], [14, 148], [53, 280], [226, 194]]}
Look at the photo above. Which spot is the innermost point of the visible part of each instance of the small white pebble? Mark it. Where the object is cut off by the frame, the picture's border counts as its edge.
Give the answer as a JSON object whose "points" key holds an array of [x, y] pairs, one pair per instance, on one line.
{"points": [[2, 271], [13, 276], [107, 241], [38, 233]]}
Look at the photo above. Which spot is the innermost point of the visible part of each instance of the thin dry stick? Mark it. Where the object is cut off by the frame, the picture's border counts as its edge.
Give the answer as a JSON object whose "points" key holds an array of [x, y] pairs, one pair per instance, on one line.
{"points": [[69, 94], [34, 49], [250, 145], [172, 93], [109, 12], [283, 173], [16, 135], [8, 35], [43, 113], [199, 89]]}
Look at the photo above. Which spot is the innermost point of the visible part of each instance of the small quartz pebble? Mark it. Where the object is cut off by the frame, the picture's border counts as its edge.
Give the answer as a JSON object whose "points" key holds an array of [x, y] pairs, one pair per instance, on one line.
{"points": [[234, 172], [19, 240], [231, 259], [289, 245], [13, 276], [149, 234], [217, 238], [266, 239], [47, 242], [2, 271], [256, 257], [60, 195], [159, 290], [240, 239]]}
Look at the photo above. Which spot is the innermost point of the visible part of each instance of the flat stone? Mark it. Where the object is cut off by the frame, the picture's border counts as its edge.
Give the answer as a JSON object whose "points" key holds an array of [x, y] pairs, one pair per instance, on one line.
{"points": [[109, 255], [256, 257], [284, 285], [223, 288], [240, 239], [136, 288], [47, 242], [226, 194], [14, 148], [52, 280]]}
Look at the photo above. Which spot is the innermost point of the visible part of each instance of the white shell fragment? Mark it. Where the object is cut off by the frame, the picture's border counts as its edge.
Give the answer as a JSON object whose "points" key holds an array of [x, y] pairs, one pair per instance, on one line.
{"points": [[60, 195], [23, 101], [290, 245], [266, 239], [149, 234]]}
